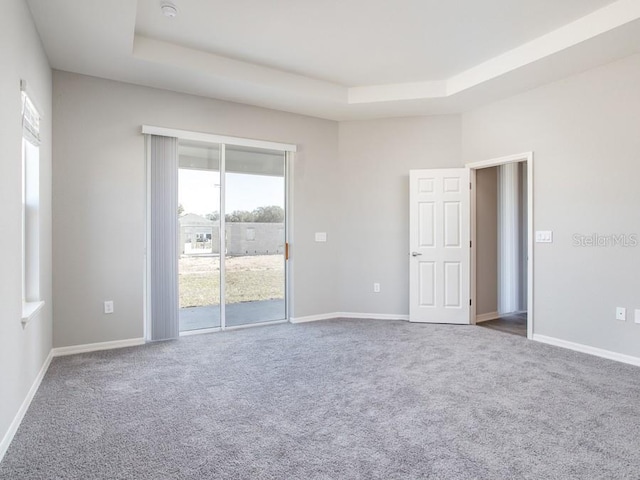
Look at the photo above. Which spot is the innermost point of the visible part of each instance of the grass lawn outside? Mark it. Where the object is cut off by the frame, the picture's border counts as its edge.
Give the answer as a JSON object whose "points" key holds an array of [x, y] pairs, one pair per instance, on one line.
{"points": [[249, 279]]}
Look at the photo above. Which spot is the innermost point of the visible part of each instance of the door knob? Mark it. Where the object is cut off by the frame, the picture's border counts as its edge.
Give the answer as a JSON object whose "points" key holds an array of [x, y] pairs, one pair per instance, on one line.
{"points": [[415, 254]]}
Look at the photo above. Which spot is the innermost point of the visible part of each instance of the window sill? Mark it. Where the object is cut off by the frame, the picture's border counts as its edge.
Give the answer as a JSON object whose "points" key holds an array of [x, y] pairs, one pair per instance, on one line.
{"points": [[30, 310]]}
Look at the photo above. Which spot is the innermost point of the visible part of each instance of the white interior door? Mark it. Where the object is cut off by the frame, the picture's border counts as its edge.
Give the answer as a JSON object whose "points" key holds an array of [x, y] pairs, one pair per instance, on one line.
{"points": [[440, 246]]}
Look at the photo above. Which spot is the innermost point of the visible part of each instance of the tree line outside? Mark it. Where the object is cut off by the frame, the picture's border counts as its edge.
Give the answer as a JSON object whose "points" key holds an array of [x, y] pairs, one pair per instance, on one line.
{"points": [[270, 214]]}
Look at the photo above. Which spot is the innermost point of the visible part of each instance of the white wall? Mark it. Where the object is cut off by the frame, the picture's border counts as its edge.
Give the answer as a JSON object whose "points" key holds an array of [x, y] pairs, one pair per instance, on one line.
{"points": [[584, 135], [23, 351], [375, 159], [98, 195]]}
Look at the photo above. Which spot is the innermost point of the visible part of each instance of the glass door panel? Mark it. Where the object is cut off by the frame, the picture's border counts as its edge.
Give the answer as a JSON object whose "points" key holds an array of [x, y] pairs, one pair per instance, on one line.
{"points": [[199, 245], [255, 235]]}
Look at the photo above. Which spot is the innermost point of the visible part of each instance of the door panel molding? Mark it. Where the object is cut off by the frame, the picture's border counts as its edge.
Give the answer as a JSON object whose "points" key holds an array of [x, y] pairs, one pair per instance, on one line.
{"points": [[439, 267]]}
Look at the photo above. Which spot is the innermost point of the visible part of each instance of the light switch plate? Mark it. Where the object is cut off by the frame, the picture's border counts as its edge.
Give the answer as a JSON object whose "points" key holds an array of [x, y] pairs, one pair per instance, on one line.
{"points": [[321, 236], [108, 306], [544, 236], [621, 314], [637, 319]]}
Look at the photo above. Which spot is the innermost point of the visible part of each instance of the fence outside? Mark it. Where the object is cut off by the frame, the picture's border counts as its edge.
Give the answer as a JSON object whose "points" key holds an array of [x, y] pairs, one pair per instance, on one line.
{"points": [[200, 236]]}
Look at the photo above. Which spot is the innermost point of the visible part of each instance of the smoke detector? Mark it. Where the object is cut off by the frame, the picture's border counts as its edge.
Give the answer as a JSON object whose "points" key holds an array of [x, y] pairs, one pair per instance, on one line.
{"points": [[169, 10]]}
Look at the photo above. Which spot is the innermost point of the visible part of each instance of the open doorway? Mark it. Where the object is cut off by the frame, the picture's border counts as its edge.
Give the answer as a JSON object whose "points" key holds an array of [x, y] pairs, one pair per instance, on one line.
{"points": [[501, 244]]}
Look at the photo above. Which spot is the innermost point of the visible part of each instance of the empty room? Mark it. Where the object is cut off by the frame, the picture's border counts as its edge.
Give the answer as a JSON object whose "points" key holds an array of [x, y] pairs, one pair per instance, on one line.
{"points": [[320, 240]]}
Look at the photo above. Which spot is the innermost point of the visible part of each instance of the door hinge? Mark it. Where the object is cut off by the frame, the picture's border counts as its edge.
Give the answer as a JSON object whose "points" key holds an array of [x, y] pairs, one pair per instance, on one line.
{"points": [[470, 243], [470, 187], [470, 301], [286, 251]]}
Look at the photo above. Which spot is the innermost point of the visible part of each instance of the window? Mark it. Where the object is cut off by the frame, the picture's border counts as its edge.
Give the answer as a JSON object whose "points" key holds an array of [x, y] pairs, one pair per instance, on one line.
{"points": [[31, 302]]}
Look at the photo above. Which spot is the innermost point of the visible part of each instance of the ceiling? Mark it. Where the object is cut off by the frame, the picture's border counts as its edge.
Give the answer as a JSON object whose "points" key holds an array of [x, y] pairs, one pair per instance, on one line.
{"points": [[339, 59]]}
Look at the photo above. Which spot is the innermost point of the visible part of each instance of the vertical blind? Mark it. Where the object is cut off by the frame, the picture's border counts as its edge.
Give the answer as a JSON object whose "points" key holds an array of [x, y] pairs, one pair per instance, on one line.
{"points": [[30, 117], [163, 241], [509, 277]]}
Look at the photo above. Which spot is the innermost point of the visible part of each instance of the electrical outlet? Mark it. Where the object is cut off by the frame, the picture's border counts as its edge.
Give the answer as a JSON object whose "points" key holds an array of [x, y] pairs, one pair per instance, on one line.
{"points": [[108, 306], [376, 288], [621, 314]]}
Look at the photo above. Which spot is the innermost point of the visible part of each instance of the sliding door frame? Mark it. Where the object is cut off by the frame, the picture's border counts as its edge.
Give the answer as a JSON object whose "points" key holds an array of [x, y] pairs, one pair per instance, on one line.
{"points": [[222, 233], [288, 151]]}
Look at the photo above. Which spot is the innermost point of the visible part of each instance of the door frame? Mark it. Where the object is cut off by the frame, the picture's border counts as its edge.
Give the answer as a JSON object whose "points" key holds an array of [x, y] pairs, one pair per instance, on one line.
{"points": [[289, 151], [494, 162]]}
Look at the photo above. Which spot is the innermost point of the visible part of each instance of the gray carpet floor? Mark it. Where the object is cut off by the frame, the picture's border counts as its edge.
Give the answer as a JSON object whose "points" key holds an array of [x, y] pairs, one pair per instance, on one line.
{"points": [[354, 399]]}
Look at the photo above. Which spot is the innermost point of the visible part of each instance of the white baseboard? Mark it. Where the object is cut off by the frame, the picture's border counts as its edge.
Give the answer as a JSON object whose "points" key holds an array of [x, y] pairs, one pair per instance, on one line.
{"points": [[578, 347], [94, 347], [334, 315], [485, 317], [17, 420]]}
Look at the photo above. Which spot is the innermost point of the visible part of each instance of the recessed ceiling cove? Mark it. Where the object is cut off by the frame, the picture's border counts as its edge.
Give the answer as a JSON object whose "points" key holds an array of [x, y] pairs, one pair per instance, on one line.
{"points": [[339, 59]]}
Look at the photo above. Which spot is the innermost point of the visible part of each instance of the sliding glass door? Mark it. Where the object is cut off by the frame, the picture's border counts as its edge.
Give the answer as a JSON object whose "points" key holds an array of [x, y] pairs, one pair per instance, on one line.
{"points": [[231, 215], [255, 235], [199, 230]]}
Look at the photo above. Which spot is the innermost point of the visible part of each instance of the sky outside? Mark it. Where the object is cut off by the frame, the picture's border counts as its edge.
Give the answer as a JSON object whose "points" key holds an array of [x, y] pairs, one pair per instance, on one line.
{"points": [[198, 192]]}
